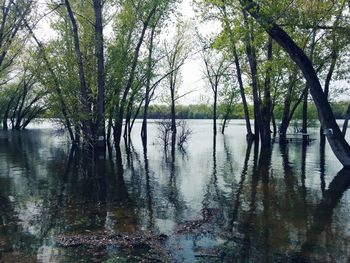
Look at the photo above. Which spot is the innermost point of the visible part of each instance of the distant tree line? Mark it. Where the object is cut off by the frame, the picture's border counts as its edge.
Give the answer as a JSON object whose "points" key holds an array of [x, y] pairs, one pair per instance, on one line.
{"points": [[205, 111]]}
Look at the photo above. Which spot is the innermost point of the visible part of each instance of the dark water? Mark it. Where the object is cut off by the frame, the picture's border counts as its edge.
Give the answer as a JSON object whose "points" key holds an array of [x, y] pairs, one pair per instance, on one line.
{"points": [[216, 202]]}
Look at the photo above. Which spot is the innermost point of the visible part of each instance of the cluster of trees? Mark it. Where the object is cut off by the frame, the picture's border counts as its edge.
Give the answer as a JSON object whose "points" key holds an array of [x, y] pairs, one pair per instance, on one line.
{"points": [[108, 59]]}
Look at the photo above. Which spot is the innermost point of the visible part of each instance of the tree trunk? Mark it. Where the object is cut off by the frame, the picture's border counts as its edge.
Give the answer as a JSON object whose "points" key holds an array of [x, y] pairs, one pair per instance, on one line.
{"points": [[5, 118], [274, 125], [250, 134], [224, 125], [346, 121], [84, 99], [286, 109], [173, 117], [305, 118], [306, 95], [19, 112], [267, 104], [250, 50], [148, 87], [215, 110], [100, 120], [109, 125], [291, 113], [57, 87], [226, 116], [120, 113], [144, 121], [330, 74], [335, 138]]}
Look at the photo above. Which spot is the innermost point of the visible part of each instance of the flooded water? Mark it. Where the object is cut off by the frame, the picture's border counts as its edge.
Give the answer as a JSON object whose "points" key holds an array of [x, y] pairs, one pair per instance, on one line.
{"points": [[218, 200]]}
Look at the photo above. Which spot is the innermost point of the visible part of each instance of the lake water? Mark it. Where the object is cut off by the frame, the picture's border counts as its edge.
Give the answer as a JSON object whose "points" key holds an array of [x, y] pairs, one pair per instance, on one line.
{"points": [[214, 202]]}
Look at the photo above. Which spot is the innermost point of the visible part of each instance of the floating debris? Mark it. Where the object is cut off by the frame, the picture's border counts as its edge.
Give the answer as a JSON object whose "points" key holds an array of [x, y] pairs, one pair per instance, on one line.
{"points": [[199, 225], [143, 240]]}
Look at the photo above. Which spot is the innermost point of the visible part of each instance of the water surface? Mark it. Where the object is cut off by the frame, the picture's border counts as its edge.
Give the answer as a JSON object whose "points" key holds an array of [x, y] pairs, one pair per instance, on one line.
{"points": [[219, 200]]}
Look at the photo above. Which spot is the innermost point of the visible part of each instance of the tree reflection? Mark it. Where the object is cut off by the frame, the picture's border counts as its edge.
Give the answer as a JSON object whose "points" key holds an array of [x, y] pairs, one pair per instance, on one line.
{"points": [[173, 191], [264, 166], [323, 214], [214, 197], [149, 190], [322, 162], [260, 171], [241, 184]]}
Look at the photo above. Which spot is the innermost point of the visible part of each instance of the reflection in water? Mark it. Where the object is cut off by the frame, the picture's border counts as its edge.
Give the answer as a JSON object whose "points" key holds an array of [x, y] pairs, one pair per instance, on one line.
{"points": [[322, 162], [241, 185], [324, 211], [149, 189], [221, 199]]}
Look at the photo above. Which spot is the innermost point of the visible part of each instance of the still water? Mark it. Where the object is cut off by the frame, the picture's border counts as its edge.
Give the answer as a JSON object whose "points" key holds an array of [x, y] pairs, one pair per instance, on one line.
{"points": [[218, 200]]}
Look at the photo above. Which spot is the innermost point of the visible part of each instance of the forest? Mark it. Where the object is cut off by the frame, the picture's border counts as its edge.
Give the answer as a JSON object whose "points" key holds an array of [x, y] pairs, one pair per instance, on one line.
{"points": [[107, 60], [107, 88]]}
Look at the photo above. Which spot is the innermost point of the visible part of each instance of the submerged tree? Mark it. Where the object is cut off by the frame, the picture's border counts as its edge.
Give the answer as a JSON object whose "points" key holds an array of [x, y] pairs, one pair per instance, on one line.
{"points": [[339, 146], [216, 72], [177, 50], [126, 58], [23, 101]]}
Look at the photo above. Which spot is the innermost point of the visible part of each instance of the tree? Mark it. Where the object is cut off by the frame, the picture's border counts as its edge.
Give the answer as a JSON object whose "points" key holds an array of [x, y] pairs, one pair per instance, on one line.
{"points": [[177, 51], [13, 16], [134, 21], [229, 40], [216, 72], [99, 50], [84, 98], [335, 138], [229, 98]]}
